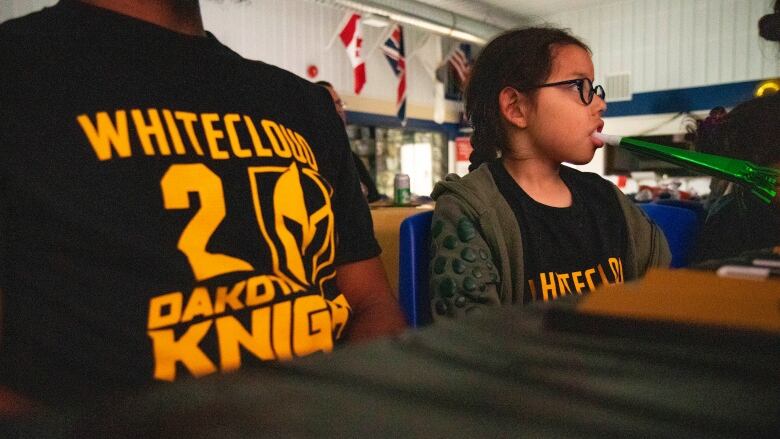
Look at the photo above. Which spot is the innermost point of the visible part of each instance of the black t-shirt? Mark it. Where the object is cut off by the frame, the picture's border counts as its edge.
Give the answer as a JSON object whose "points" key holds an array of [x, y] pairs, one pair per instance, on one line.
{"points": [[568, 250], [169, 209]]}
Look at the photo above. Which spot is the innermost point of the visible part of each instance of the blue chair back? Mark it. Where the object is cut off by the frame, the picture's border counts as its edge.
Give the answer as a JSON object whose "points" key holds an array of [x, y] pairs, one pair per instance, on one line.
{"points": [[696, 206], [413, 262], [680, 226]]}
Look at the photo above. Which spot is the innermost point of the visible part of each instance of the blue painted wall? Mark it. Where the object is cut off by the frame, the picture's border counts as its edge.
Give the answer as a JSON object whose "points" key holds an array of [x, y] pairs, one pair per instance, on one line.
{"points": [[368, 119], [684, 99]]}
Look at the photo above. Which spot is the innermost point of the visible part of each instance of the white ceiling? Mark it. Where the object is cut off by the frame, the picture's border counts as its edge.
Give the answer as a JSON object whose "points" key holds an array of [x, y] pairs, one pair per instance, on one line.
{"points": [[510, 13], [542, 8]]}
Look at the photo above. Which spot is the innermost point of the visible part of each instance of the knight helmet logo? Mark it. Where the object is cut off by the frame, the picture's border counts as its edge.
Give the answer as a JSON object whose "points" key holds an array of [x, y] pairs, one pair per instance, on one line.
{"points": [[298, 223]]}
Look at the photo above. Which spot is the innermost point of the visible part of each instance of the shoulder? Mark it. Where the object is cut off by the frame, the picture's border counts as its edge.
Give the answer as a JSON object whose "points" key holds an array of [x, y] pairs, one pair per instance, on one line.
{"points": [[476, 183], [31, 27], [285, 78], [289, 86], [275, 76], [474, 194]]}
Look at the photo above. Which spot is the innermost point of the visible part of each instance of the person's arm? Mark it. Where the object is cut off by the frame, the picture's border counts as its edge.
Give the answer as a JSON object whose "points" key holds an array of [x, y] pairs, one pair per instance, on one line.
{"points": [[647, 245], [360, 275], [464, 274], [375, 312], [12, 404]]}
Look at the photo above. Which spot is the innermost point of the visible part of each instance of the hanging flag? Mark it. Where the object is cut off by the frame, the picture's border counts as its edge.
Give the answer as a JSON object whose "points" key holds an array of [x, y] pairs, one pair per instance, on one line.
{"points": [[429, 55], [393, 49], [352, 38], [460, 62]]}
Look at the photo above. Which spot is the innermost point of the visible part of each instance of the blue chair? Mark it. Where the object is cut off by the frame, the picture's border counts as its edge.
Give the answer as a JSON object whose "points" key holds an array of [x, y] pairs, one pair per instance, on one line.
{"points": [[680, 226], [413, 262], [696, 206]]}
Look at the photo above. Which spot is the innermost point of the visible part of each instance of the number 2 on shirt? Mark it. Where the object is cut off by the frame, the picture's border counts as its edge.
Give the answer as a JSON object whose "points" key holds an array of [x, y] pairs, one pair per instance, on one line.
{"points": [[176, 184]]}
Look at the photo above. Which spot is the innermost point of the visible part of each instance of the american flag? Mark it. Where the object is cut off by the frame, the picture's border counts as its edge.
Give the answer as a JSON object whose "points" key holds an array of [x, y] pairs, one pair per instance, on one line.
{"points": [[393, 49], [459, 60]]}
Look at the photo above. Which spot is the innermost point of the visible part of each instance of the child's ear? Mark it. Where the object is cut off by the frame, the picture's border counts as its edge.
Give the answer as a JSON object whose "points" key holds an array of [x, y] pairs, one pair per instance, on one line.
{"points": [[514, 107]]}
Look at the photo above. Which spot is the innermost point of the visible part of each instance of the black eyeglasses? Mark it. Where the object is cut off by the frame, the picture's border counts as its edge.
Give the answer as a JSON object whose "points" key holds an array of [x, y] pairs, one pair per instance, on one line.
{"points": [[585, 87]]}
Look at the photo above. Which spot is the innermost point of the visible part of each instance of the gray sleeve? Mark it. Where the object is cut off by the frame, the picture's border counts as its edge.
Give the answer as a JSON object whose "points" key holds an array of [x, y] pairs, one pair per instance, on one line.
{"points": [[647, 244], [464, 276]]}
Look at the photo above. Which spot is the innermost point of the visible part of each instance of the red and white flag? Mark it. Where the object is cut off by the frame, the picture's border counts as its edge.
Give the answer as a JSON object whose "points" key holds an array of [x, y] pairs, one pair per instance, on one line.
{"points": [[352, 38]]}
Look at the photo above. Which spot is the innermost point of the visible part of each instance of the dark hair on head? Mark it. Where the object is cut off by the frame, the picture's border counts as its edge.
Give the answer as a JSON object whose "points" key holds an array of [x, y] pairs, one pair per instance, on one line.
{"points": [[520, 58], [769, 25], [707, 130], [751, 131], [324, 84]]}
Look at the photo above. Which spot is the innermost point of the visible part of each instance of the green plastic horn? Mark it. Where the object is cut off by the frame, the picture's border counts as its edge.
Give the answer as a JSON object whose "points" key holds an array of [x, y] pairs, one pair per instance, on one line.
{"points": [[761, 180]]}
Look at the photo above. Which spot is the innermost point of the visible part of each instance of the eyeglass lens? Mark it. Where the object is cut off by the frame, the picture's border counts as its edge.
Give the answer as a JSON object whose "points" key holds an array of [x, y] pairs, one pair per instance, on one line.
{"points": [[587, 91]]}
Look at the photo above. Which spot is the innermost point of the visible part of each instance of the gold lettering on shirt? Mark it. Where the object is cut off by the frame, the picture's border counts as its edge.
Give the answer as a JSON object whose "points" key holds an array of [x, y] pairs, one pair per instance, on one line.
{"points": [[152, 129], [173, 130], [168, 351], [235, 144], [579, 286], [276, 135], [548, 286], [189, 120], [563, 283], [206, 328], [213, 135], [233, 336], [106, 134], [163, 132], [532, 286], [281, 324], [553, 285]]}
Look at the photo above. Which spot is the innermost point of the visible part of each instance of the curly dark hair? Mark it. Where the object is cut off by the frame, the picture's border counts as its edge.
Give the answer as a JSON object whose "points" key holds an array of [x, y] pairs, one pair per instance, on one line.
{"points": [[769, 25], [707, 130], [520, 58], [751, 131]]}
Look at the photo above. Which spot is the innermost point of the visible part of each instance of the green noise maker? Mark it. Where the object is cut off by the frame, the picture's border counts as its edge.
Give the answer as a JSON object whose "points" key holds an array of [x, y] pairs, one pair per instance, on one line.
{"points": [[761, 180]]}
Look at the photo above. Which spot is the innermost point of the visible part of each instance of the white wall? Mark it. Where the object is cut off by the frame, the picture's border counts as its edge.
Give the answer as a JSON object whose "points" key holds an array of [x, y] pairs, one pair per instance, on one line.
{"points": [[668, 44], [293, 34], [16, 8], [664, 44]]}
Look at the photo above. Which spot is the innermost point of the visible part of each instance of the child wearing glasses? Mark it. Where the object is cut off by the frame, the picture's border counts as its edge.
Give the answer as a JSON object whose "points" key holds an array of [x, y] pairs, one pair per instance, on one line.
{"points": [[522, 227]]}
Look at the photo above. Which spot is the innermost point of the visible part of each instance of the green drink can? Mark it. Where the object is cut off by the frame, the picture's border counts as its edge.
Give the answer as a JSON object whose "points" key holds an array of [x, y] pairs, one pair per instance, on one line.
{"points": [[403, 194]]}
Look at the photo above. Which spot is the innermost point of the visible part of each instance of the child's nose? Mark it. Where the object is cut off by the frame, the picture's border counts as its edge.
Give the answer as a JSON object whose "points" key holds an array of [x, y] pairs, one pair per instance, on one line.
{"points": [[599, 105]]}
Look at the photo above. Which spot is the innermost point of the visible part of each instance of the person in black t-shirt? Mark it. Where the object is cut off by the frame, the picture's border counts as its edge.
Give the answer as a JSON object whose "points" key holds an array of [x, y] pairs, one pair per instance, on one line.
{"points": [[522, 227], [168, 208], [366, 183]]}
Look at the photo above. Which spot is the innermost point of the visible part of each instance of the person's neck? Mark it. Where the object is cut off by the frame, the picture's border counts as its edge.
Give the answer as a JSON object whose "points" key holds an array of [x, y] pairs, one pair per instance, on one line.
{"points": [[540, 178], [182, 16]]}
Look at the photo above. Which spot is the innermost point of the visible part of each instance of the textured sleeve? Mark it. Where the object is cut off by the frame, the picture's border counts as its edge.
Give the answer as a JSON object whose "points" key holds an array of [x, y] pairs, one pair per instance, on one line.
{"points": [[464, 277]]}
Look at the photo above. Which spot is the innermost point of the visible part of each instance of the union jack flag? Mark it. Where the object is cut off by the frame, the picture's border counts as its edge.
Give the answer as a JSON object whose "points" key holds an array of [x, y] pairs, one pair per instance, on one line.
{"points": [[393, 49]]}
